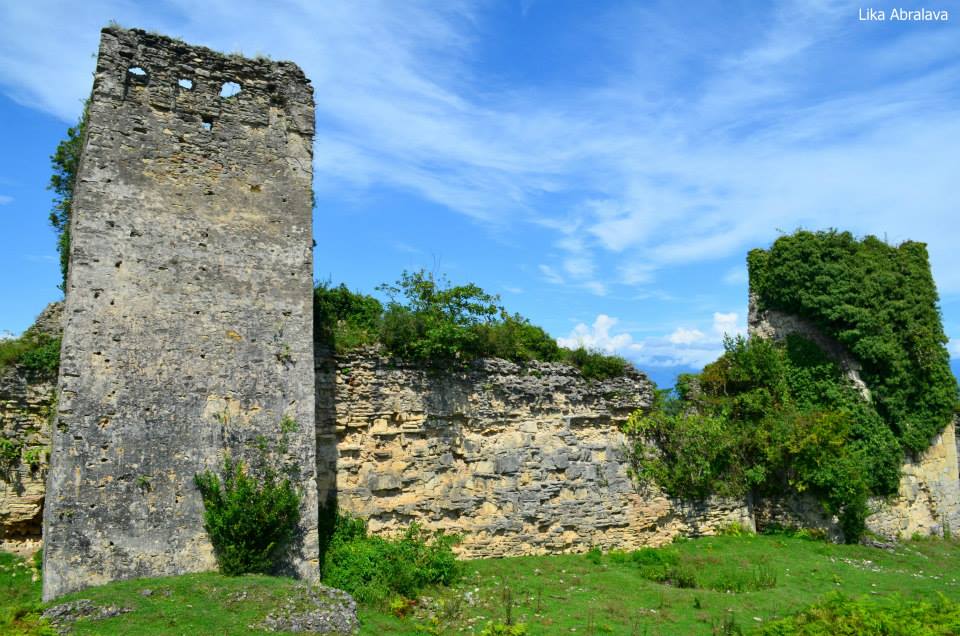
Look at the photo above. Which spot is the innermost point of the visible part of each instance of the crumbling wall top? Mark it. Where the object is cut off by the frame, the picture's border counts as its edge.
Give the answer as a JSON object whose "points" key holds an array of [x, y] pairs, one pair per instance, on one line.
{"points": [[201, 83]]}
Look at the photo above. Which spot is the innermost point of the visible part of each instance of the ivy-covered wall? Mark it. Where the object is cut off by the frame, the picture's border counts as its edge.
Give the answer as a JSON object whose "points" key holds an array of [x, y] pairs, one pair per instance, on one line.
{"points": [[841, 395], [880, 303], [873, 308]]}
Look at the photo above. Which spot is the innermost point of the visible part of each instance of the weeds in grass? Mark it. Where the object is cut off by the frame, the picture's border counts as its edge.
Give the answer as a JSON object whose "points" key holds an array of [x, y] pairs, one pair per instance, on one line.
{"points": [[507, 597], [564, 594], [20, 606], [736, 529], [812, 534], [839, 614], [594, 555], [727, 627], [499, 629]]}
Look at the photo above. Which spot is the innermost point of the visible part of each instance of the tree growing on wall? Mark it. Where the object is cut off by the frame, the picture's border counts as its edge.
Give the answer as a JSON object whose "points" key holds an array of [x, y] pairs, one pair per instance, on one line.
{"points": [[65, 162]]}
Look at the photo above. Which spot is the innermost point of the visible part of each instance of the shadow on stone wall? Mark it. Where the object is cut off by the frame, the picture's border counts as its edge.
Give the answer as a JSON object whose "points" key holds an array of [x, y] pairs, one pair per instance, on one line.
{"points": [[325, 367]]}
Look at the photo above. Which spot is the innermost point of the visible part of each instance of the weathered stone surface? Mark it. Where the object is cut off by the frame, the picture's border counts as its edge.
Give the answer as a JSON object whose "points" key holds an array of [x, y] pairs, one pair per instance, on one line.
{"points": [[188, 315], [25, 409], [62, 617], [928, 502], [315, 609], [518, 460]]}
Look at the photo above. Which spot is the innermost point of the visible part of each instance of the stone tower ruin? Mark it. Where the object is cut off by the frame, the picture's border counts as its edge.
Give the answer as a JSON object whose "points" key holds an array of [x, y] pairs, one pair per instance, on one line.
{"points": [[188, 316]]}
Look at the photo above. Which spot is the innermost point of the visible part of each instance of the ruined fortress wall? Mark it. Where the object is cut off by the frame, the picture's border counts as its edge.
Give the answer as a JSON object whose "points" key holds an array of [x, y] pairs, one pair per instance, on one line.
{"points": [[25, 421], [26, 401], [516, 460], [928, 501], [188, 316]]}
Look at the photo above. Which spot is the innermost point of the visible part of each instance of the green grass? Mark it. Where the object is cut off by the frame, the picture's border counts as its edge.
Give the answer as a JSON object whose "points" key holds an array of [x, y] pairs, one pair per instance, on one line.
{"points": [[591, 594], [20, 605]]}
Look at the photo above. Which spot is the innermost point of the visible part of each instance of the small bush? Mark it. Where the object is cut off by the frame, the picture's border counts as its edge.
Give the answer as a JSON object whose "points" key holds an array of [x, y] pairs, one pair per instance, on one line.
{"points": [[9, 455], [735, 529], [810, 534], [343, 319], [374, 568], [595, 365], [663, 566], [250, 520], [739, 580]]}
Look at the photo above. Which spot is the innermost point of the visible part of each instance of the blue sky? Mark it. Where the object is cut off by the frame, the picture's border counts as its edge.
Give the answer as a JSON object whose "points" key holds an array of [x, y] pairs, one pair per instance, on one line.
{"points": [[603, 166]]}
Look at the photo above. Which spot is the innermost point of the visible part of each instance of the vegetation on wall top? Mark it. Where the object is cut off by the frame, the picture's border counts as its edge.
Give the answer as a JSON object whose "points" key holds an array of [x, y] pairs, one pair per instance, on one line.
{"points": [[428, 320], [36, 354]]}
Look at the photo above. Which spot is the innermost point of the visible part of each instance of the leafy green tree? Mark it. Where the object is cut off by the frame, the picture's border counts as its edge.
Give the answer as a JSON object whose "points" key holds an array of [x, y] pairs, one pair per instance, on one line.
{"points": [[768, 419], [789, 419], [65, 162], [344, 319], [880, 302], [430, 321]]}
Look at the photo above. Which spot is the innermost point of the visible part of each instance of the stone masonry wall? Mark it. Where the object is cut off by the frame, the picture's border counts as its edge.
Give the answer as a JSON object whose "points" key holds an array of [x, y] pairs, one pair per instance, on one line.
{"points": [[25, 410], [929, 499], [25, 420], [516, 460], [188, 315]]}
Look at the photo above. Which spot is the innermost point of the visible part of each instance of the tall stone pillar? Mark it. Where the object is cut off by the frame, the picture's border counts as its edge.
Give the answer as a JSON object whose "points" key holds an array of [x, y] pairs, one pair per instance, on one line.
{"points": [[188, 317]]}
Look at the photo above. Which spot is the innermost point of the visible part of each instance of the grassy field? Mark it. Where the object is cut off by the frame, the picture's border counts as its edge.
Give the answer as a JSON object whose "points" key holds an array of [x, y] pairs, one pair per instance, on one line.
{"points": [[733, 584]]}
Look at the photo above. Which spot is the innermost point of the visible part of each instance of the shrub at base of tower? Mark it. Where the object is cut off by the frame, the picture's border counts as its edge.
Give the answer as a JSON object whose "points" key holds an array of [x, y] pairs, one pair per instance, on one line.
{"points": [[250, 520]]}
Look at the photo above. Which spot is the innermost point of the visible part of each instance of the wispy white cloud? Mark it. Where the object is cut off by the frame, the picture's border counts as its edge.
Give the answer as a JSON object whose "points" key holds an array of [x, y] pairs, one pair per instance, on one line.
{"points": [[636, 273], [728, 324], [4, 199], [595, 287], [550, 275], [406, 248], [41, 258], [769, 129], [684, 336], [687, 347], [6, 335], [954, 348]]}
